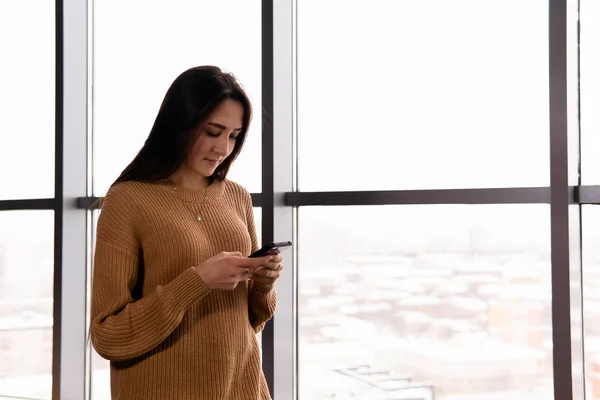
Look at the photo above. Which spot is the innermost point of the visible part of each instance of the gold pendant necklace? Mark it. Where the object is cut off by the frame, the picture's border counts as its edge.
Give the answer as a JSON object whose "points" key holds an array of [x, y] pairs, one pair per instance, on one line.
{"points": [[198, 216]]}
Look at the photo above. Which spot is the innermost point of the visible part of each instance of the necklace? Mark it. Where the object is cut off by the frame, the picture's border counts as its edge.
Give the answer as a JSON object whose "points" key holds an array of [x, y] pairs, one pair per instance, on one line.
{"points": [[197, 215]]}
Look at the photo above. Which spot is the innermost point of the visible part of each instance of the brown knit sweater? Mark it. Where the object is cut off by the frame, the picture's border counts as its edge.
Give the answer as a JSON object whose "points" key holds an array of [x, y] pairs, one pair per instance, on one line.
{"points": [[167, 335]]}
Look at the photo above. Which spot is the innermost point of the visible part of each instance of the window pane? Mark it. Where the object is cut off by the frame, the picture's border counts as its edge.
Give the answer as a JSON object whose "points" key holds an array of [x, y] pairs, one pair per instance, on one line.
{"points": [[422, 94], [27, 94], [128, 92], [100, 380], [590, 91], [258, 224], [591, 298], [454, 300], [26, 303], [100, 377]]}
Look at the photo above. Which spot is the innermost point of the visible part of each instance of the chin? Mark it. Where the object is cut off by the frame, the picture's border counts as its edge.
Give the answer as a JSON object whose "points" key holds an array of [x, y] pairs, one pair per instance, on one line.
{"points": [[207, 173]]}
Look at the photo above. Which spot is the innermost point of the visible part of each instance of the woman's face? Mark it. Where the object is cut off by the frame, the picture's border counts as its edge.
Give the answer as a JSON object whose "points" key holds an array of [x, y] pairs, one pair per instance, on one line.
{"points": [[216, 138]]}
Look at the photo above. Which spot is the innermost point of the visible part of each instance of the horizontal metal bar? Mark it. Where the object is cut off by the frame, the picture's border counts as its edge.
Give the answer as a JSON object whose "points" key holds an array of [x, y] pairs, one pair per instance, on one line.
{"points": [[534, 195], [91, 203], [442, 196], [29, 204], [87, 203], [587, 194], [257, 199], [540, 195]]}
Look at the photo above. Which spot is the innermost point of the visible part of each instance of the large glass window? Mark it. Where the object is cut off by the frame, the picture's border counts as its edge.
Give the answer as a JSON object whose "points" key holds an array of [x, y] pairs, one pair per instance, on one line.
{"points": [[590, 91], [422, 94], [133, 69], [26, 303], [410, 301], [428, 302], [27, 93]]}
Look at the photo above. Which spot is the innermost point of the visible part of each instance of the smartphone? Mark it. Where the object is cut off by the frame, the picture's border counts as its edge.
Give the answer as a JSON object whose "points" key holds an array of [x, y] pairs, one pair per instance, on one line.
{"points": [[263, 251]]}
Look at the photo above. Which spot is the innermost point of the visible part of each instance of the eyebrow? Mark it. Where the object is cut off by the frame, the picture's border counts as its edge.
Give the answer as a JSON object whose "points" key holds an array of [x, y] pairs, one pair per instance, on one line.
{"points": [[222, 126]]}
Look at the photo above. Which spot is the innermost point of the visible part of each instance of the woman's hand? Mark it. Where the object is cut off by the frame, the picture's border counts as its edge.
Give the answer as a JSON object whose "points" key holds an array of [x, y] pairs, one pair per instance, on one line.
{"points": [[270, 271], [226, 270]]}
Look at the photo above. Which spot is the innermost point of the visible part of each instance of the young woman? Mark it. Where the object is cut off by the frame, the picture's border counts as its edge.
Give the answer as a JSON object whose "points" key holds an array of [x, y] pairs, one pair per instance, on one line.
{"points": [[176, 303]]}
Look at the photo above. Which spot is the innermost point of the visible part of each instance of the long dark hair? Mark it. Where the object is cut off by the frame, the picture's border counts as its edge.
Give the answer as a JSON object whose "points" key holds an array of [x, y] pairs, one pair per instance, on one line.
{"points": [[192, 97]]}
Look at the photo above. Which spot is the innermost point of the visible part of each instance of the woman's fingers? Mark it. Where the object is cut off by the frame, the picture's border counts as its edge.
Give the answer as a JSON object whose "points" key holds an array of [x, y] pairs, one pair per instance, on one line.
{"points": [[252, 263], [277, 266], [268, 273], [277, 258]]}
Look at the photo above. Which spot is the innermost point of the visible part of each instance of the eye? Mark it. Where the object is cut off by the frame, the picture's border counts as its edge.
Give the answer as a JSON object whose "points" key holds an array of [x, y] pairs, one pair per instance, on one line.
{"points": [[233, 137], [211, 134]]}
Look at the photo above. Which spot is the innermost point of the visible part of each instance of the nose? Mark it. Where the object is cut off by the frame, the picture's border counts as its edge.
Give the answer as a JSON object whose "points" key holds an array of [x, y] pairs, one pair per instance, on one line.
{"points": [[222, 146]]}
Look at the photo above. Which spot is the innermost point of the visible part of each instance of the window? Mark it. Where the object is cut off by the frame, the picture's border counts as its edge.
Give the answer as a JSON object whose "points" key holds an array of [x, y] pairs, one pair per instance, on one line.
{"points": [[408, 300], [399, 301], [26, 303], [590, 92], [258, 223], [134, 68], [422, 94], [27, 98], [27, 138]]}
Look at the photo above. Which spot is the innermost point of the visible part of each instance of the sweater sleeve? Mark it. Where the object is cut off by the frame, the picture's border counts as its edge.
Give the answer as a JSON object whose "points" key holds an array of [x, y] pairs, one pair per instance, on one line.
{"points": [[123, 328], [261, 301]]}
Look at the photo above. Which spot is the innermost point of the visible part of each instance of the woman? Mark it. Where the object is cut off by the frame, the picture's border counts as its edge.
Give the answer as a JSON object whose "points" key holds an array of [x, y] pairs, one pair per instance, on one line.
{"points": [[176, 303]]}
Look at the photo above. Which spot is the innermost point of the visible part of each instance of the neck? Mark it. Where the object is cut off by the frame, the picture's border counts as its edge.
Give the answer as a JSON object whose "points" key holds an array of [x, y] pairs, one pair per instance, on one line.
{"points": [[187, 178]]}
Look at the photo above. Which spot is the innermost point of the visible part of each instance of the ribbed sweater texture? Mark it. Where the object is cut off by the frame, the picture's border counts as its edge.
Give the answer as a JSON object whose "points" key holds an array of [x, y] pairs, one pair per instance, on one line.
{"points": [[166, 334]]}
